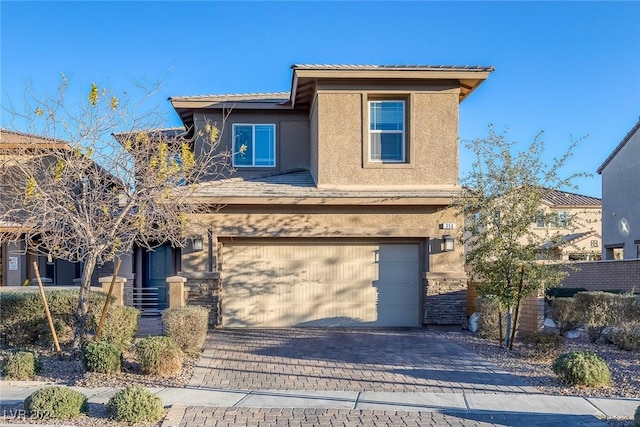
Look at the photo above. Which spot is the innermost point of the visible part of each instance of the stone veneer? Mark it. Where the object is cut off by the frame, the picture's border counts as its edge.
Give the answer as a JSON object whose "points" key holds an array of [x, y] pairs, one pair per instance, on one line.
{"points": [[445, 300], [204, 289]]}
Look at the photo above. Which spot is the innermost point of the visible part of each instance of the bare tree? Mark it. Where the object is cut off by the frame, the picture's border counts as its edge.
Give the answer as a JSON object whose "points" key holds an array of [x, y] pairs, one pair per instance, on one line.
{"points": [[92, 180]]}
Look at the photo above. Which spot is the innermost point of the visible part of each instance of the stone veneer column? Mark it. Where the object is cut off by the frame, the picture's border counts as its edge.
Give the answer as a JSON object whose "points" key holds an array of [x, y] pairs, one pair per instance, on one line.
{"points": [[203, 288], [445, 299], [118, 288]]}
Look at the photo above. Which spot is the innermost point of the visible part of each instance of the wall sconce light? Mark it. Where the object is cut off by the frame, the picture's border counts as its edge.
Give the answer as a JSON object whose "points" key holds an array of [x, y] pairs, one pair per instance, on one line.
{"points": [[448, 243], [196, 243]]}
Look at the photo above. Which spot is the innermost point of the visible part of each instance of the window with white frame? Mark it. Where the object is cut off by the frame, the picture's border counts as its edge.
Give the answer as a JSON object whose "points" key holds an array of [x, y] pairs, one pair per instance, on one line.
{"points": [[387, 131], [254, 145]]}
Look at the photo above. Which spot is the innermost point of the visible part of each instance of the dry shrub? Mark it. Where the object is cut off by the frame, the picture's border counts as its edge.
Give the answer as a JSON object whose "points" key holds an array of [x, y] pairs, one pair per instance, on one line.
{"points": [[626, 336], [596, 311], [159, 356], [541, 345], [488, 322], [119, 326], [187, 326], [565, 314]]}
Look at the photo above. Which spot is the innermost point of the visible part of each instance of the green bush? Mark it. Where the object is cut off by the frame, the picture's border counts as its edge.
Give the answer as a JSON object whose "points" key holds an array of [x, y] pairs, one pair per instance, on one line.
{"points": [[23, 316], [21, 365], [187, 327], [595, 310], [135, 404], [636, 419], [101, 356], [541, 345], [159, 356], [626, 336], [566, 314], [55, 402], [582, 368], [561, 292], [64, 332], [120, 325], [488, 322]]}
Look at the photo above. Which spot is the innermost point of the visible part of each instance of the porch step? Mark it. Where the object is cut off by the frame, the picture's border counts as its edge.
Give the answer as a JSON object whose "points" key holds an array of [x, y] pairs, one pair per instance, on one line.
{"points": [[149, 326]]}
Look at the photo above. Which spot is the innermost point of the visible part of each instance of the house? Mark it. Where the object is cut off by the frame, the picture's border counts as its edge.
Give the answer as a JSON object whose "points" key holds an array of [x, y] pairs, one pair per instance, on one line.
{"points": [[621, 199], [15, 258], [575, 218], [336, 214]]}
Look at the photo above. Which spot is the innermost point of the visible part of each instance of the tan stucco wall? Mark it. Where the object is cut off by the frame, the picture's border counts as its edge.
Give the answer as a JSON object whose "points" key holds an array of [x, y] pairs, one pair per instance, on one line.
{"points": [[292, 137], [621, 198], [357, 222], [432, 134]]}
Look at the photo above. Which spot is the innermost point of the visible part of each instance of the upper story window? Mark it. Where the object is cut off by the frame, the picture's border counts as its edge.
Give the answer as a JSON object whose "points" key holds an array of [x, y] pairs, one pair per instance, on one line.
{"points": [[387, 131], [254, 145]]}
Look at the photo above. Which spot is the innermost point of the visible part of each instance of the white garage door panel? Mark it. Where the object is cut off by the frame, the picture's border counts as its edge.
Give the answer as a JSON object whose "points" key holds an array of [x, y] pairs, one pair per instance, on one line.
{"points": [[320, 285]]}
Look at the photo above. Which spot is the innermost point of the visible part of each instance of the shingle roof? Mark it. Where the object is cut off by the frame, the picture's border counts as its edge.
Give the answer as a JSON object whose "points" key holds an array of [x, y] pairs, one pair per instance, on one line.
{"points": [[565, 198], [300, 184], [390, 67], [237, 97]]}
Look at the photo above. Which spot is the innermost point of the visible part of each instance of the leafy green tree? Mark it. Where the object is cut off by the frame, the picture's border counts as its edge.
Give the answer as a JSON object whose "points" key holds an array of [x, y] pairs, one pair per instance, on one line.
{"points": [[501, 199], [87, 181]]}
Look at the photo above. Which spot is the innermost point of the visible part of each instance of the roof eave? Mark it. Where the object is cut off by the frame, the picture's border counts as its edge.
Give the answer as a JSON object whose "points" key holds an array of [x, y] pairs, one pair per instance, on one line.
{"points": [[619, 147]]}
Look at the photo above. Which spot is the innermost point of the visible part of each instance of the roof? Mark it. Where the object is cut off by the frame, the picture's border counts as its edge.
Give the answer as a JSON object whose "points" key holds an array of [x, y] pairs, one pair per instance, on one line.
{"points": [[300, 185], [565, 198], [16, 139], [624, 141], [569, 238], [305, 78]]}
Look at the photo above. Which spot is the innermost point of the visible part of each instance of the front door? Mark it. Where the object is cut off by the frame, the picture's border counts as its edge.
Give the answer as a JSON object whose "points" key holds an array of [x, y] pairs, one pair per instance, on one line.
{"points": [[160, 265]]}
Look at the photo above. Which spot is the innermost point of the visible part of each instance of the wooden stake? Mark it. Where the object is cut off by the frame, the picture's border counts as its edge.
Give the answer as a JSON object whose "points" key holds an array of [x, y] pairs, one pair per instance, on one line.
{"points": [[46, 308], [108, 301]]}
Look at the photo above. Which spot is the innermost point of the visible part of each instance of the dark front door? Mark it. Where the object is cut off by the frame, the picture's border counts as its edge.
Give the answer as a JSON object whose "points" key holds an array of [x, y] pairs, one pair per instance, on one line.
{"points": [[160, 264]]}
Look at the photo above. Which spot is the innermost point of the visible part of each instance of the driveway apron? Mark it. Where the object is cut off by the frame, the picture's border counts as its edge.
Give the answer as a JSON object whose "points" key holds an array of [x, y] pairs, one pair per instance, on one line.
{"points": [[382, 360]]}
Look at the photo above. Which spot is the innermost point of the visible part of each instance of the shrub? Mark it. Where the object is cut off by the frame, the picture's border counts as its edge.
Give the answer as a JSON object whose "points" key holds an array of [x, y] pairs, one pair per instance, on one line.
{"points": [[626, 336], [21, 365], [636, 419], [561, 292], [159, 356], [565, 314], [101, 356], [187, 326], [541, 345], [55, 402], [24, 319], [119, 326], [624, 308], [64, 332], [582, 368], [595, 309], [135, 404], [488, 322]]}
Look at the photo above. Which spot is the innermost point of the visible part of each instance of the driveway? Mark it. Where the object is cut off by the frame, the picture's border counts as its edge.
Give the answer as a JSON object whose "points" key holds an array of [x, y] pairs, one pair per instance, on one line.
{"points": [[391, 360]]}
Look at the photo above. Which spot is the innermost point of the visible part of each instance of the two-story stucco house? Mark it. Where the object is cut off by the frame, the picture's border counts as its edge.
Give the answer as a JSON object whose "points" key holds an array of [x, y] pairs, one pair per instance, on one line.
{"points": [[337, 212], [621, 199], [576, 219]]}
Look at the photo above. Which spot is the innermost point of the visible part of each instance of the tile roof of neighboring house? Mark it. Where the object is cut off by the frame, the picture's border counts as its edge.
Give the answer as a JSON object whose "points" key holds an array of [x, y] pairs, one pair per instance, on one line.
{"points": [[19, 137], [390, 67], [565, 198], [300, 184], [569, 238], [619, 147]]}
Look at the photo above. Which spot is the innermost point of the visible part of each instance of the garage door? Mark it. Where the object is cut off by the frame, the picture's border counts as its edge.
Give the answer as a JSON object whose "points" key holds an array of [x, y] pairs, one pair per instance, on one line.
{"points": [[276, 285]]}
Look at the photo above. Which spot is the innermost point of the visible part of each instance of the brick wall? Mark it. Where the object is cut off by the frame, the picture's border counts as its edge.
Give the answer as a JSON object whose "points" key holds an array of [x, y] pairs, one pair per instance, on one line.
{"points": [[603, 275], [445, 301]]}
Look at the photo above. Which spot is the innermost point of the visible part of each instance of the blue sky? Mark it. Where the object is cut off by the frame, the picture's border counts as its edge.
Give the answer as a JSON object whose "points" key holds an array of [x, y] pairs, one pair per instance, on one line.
{"points": [[568, 68]]}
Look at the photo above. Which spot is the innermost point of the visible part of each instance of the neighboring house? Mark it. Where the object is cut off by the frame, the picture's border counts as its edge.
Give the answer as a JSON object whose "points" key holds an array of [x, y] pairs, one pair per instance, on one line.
{"points": [[576, 220], [337, 212], [15, 261], [621, 199]]}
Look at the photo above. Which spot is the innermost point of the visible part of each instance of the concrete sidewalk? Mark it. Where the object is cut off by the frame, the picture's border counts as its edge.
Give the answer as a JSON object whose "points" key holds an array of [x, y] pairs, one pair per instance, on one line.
{"points": [[419, 402]]}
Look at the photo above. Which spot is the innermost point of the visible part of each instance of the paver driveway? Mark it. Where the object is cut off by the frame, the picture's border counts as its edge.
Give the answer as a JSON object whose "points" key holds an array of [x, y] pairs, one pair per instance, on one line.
{"points": [[397, 360]]}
